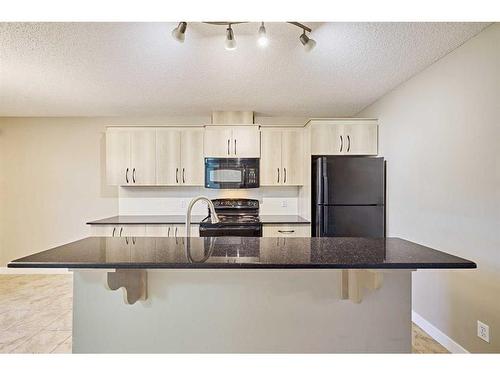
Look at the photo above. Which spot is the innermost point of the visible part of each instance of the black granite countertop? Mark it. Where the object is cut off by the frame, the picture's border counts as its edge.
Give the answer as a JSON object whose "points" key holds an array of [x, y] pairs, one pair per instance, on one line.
{"points": [[196, 219], [242, 252]]}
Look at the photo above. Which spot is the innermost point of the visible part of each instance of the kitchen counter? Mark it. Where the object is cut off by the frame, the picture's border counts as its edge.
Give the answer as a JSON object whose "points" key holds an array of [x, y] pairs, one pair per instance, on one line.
{"points": [[196, 219], [242, 252]]}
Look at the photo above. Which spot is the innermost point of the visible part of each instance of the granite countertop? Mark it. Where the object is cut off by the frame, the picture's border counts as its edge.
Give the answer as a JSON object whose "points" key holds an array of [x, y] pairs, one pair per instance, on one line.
{"points": [[242, 252], [196, 219]]}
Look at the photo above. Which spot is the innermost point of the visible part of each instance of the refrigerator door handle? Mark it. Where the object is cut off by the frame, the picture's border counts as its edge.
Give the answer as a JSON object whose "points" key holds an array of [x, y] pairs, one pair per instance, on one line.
{"points": [[319, 221]]}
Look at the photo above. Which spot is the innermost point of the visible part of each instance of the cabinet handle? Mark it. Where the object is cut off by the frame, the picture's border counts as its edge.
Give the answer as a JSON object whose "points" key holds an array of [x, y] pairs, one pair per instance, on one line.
{"points": [[176, 175], [121, 230], [341, 143], [114, 230], [286, 231], [133, 240], [278, 175], [228, 141], [176, 232], [133, 175], [183, 176], [235, 146], [126, 240], [126, 175], [348, 143], [284, 175]]}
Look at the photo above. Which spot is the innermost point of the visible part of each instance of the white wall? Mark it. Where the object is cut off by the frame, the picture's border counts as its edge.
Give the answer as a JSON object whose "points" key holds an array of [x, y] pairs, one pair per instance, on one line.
{"points": [[51, 183], [440, 133]]}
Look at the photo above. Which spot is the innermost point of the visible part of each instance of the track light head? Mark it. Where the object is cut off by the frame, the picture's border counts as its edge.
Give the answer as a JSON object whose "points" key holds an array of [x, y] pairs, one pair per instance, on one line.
{"points": [[230, 41], [179, 32], [307, 42], [262, 40]]}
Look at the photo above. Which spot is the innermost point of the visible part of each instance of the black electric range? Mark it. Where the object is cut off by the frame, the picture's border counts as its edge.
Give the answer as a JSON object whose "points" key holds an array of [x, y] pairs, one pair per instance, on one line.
{"points": [[238, 217]]}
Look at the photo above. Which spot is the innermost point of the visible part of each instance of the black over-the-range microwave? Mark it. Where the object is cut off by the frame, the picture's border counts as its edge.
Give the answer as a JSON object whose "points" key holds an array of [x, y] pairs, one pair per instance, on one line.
{"points": [[231, 173]]}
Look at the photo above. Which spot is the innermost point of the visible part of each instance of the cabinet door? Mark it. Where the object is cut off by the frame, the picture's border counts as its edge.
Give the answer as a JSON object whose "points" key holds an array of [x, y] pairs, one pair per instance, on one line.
{"points": [[143, 156], [292, 157], [217, 142], [168, 156], [192, 162], [245, 142], [118, 157], [361, 138], [270, 161], [327, 138]]}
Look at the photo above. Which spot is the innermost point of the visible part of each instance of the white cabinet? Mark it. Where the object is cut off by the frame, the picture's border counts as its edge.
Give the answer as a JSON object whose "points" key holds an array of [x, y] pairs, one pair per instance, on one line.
{"points": [[143, 230], [127, 230], [131, 156], [232, 141], [286, 230], [281, 157], [344, 137], [179, 157]]}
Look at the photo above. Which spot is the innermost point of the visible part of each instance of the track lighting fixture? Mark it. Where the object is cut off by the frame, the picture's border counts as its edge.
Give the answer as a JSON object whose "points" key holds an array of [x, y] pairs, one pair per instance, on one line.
{"points": [[307, 42], [179, 32], [262, 40], [230, 41]]}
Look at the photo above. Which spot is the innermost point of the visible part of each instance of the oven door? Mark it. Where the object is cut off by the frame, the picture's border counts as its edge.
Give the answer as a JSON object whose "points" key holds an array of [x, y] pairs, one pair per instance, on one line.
{"points": [[231, 173]]}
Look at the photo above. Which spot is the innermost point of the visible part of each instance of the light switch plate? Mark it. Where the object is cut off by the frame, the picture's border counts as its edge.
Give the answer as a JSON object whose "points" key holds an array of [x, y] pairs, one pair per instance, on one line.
{"points": [[483, 331]]}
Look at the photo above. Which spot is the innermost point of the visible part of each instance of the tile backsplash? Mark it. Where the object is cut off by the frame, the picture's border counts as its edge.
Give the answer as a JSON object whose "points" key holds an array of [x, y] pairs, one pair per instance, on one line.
{"points": [[174, 200]]}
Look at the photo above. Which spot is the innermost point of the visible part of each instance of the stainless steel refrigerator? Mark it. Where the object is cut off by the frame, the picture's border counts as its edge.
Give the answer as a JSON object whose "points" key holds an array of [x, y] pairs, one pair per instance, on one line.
{"points": [[348, 196]]}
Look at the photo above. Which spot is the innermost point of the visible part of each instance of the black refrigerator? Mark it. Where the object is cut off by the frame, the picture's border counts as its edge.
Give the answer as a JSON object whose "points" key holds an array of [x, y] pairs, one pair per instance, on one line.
{"points": [[348, 196]]}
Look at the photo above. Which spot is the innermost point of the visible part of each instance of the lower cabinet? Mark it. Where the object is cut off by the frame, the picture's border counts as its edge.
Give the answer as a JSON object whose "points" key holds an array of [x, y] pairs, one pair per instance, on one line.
{"points": [[144, 230], [286, 230]]}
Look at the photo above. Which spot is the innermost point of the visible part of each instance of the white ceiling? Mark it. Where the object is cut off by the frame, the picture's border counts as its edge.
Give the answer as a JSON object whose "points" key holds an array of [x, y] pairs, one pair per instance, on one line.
{"points": [[137, 69]]}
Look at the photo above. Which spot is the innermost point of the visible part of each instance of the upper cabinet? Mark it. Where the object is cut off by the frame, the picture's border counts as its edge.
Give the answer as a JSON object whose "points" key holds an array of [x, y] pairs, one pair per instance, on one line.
{"points": [[154, 156], [131, 156], [179, 157], [344, 137], [281, 157], [232, 141]]}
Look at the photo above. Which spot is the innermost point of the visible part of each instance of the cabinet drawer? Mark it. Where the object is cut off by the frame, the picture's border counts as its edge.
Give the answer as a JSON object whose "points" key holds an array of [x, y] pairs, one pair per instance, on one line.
{"points": [[286, 230], [118, 230]]}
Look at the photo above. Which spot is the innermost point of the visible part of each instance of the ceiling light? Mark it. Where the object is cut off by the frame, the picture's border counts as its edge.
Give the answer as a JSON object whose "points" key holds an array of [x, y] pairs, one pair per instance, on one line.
{"points": [[262, 40], [230, 41], [180, 32], [307, 42]]}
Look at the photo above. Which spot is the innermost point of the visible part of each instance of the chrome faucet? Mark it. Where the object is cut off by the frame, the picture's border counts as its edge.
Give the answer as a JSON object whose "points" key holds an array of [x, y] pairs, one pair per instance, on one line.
{"points": [[211, 208]]}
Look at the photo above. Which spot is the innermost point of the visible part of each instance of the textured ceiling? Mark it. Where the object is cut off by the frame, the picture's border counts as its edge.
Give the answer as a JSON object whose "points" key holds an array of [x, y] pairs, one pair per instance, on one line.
{"points": [[124, 69]]}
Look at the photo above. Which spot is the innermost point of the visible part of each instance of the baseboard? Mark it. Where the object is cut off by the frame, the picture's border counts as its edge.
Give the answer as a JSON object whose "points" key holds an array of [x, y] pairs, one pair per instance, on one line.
{"points": [[33, 271], [436, 334]]}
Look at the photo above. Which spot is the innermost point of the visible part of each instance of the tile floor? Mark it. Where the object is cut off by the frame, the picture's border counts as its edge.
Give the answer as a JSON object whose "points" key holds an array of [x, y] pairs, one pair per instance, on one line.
{"points": [[36, 316]]}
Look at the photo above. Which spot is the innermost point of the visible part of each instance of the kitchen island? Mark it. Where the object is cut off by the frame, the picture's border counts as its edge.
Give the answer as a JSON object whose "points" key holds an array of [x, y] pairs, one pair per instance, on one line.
{"points": [[242, 294]]}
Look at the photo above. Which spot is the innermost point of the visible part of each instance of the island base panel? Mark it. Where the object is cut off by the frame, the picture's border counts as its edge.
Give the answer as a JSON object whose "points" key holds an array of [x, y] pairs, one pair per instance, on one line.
{"points": [[246, 311]]}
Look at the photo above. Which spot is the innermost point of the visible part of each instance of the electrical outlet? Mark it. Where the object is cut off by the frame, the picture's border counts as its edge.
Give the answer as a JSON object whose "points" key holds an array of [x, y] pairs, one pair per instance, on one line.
{"points": [[483, 331], [284, 203]]}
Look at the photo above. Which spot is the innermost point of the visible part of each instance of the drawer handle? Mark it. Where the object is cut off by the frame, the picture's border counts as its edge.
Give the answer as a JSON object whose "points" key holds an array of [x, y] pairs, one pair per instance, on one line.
{"points": [[121, 230], [348, 143], [126, 240], [183, 176], [278, 175], [284, 175], [126, 175], [176, 175], [133, 175], [168, 232], [287, 231], [341, 143], [114, 230]]}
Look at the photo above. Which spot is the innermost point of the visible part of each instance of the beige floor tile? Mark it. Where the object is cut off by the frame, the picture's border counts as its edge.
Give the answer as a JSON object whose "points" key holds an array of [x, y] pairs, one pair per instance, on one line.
{"points": [[64, 348], [37, 320], [43, 342], [63, 323], [9, 340], [10, 317], [422, 343]]}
